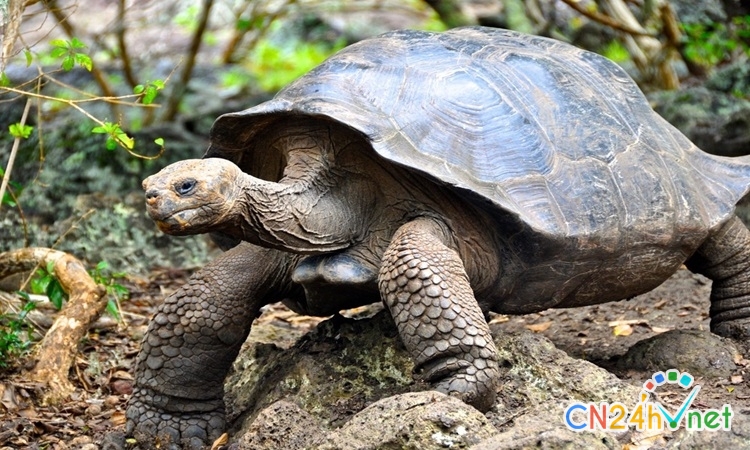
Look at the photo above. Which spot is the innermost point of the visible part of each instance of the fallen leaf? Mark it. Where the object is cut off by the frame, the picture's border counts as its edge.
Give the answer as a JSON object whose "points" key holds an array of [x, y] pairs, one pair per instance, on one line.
{"points": [[660, 329], [736, 379], [539, 327], [616, 323], [623, 330], [122, 375], [499, 318], [222, 440], [8, 396], [118, 418], [660, 304]]}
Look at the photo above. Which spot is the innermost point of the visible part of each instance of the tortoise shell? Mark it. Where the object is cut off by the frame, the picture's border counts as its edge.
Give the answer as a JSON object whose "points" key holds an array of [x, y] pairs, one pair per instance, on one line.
{"points": [[559, 138]]}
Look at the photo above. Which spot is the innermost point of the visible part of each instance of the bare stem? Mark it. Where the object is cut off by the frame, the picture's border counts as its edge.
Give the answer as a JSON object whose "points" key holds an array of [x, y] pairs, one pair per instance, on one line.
{"points": [[13, 152], [605, 19], [181, 85], [127, 68]]}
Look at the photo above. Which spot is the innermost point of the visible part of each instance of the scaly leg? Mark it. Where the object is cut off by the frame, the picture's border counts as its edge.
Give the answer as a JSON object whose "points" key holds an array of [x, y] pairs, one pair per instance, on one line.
{"points": [[178, 398], [725, 258], [424, 284]]}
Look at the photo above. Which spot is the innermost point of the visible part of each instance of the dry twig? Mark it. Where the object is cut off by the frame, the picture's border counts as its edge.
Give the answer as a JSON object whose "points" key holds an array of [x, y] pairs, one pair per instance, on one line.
{"points": [[86, 302]]}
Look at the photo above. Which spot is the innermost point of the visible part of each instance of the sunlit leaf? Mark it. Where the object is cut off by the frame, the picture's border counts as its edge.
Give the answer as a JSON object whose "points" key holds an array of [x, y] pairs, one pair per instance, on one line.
{"points": [[76, 43], [84, 61], [68, 63]]}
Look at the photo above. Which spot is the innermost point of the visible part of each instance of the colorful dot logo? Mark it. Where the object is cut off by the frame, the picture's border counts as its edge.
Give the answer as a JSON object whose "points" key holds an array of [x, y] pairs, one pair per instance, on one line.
{"points": [[672, 376]]}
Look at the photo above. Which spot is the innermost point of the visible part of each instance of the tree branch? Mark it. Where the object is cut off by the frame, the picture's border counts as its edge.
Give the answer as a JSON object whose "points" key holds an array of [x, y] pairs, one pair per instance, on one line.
{"points": [[86, 302], [180, 86], [605, 19]]}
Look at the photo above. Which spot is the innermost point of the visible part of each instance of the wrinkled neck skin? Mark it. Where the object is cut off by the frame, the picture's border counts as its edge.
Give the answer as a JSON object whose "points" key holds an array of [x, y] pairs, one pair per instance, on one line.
{"points": [[305, 211]]}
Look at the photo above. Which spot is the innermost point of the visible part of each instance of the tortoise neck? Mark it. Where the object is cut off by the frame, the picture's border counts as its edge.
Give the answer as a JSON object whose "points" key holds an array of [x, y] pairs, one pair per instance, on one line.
{"points": [[299, 213]]}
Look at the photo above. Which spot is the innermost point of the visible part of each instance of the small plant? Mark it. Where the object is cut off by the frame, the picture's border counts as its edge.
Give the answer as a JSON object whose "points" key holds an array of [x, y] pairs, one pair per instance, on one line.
{"points": [[9, 196], [711, 44], [14, 334], [115, 291], [68, 51], [115, 135], [45, 283], [149, 91]]}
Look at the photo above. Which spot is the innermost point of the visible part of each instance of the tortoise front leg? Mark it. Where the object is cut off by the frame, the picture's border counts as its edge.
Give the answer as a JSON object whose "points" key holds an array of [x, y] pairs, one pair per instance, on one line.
{"points": [[725, 258], [178, 398], [424, 284]]}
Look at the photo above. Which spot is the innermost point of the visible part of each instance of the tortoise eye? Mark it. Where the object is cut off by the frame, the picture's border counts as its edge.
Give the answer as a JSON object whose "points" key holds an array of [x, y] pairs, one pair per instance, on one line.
{"points": [[186, 187]]}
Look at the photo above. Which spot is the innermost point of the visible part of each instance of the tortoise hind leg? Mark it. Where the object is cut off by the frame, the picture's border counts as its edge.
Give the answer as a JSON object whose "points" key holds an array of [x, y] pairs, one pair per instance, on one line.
{"points": [[725, 258], [424, 284]]}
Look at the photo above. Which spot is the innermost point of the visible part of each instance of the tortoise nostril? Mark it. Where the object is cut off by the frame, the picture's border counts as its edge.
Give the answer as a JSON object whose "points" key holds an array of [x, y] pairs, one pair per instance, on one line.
{"points": [[151, 194]]}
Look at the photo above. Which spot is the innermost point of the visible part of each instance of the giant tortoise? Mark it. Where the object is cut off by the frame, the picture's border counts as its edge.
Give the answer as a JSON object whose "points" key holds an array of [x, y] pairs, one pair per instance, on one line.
{"points": [[448, 175]]}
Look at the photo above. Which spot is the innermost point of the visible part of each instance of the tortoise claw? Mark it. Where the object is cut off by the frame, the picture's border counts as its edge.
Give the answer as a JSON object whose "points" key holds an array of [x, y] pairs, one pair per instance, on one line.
{"points": [[156, 428]]}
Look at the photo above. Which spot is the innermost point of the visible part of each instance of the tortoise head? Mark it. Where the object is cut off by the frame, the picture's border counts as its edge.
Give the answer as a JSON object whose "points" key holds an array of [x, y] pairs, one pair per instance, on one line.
{"points": [[192, 196]]}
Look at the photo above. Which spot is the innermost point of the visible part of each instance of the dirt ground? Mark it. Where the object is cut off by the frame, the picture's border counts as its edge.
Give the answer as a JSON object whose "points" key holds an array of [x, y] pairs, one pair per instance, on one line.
{"points": [[598, 333]]}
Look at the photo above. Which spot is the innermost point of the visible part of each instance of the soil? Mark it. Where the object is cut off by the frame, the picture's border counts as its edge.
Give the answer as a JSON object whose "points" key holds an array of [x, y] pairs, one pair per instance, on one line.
{"points": [[600, 334]]}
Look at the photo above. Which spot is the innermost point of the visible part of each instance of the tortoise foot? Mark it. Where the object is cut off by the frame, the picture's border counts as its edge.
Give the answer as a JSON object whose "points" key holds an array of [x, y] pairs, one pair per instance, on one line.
{"points": [[472, 382], [194, 427], [737, 329]]}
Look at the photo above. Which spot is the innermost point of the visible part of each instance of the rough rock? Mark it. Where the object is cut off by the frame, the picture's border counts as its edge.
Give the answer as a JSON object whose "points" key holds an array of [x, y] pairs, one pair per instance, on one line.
{"points": [[282, 425], [337, 370], [332, 372], [541, 428], [737, 438], [412, 421], [698, 352], [713, 116]]}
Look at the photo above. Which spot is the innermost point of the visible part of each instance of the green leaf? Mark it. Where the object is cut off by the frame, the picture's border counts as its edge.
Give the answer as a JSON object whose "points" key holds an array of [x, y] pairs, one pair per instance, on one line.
{"points": [[126, 140], [159, 142], [56, 293], [138, 89], [68, 63], [120, 290], [20, 131], [59, 43], [112, 309], [40, 283], [102, 265], [243, 24], [51, 267], [76, 43], [4, 80], [111, 143], [29, 57], [149, 95], [58, 52], [84, 61], [99, 130]]}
